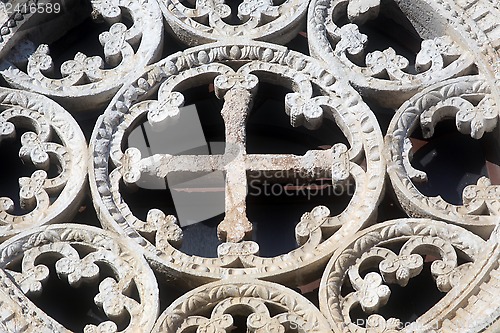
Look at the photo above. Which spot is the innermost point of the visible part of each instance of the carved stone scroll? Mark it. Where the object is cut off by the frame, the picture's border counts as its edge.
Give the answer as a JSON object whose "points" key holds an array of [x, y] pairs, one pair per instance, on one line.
{"points": [[362, 273], [79, 252], [470, 102], [267, 307], [44, 199], [211, 20], [85, 82]]}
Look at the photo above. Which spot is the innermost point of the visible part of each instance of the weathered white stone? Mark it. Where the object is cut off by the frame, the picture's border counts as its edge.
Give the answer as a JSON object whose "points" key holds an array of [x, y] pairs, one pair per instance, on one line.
{"points": [[259, 20], [444, 100], [85, 83], [454, 74], [211, 308], [45, 199], [236, 88]]}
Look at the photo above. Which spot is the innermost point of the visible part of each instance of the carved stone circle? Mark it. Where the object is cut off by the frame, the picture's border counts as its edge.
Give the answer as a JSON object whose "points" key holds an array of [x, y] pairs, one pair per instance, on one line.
{"points": [[210, 21], [45, 199], [199, 66], [271, 308], [388, 73], [86, 81], [449, 99], [79, 252]]}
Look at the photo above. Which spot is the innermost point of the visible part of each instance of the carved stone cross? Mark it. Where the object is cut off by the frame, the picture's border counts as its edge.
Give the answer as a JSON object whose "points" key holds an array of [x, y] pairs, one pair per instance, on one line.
{"points": [[237, 92]]}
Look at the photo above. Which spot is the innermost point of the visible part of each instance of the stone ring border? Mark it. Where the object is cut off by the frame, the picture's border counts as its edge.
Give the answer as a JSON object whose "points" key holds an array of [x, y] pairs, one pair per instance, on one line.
{"points": [[73, 140], [457, 23], [288, 23]]}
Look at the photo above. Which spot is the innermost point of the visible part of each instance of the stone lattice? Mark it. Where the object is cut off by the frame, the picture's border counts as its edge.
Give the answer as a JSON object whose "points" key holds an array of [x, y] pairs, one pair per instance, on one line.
{"points": [[149, 54]]}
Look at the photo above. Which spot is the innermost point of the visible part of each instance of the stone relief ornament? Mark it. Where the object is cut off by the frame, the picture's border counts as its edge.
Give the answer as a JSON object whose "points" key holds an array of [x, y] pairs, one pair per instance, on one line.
{"points": [[52, 138], [197, 22], [85, 81], [362, 273], [18, 312], [475, 306], [470, 102], [79, 255], [335, 37], [122, 273], [266, 307], [235, 71]]}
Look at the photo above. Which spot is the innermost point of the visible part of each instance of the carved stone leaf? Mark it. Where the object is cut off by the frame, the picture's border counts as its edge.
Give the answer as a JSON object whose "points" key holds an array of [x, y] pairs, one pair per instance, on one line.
{"points": [[339, 77]]}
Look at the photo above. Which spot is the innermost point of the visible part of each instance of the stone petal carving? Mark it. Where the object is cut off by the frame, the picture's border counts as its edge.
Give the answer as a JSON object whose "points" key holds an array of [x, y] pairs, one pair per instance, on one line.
{"points": [[18, 313], [372, 250], [210, 20], [454, 72], [475, 307], [210, 308], [439, 58], [45, 199]]}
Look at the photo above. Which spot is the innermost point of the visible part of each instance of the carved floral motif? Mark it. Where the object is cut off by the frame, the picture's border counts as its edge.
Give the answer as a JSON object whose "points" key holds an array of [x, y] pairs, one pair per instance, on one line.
{"points": [[449, 99], [210, 308], [211, 20], [371, 250], [44, 199], [65, 242], [439, 58]]}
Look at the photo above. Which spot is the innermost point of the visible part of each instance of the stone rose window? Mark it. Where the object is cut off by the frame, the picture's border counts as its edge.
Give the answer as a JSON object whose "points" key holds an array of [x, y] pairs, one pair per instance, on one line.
{"points": [[249, 166]]}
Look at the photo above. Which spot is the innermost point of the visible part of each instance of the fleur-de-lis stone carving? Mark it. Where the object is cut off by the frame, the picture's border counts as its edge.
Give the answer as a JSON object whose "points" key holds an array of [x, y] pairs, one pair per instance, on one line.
{"points": [[113, 42], [83, 65]]}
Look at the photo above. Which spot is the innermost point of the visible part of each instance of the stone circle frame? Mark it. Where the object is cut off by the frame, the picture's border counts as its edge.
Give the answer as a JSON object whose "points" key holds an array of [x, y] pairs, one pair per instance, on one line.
{"points": [[50, 199], [340, 104]]}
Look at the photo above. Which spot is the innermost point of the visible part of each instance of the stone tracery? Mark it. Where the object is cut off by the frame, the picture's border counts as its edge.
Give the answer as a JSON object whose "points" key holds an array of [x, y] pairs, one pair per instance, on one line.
{"points": [[448, 99], [338, 163], [44, 199], [453, 72], [371, 250], [90, 77]]}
